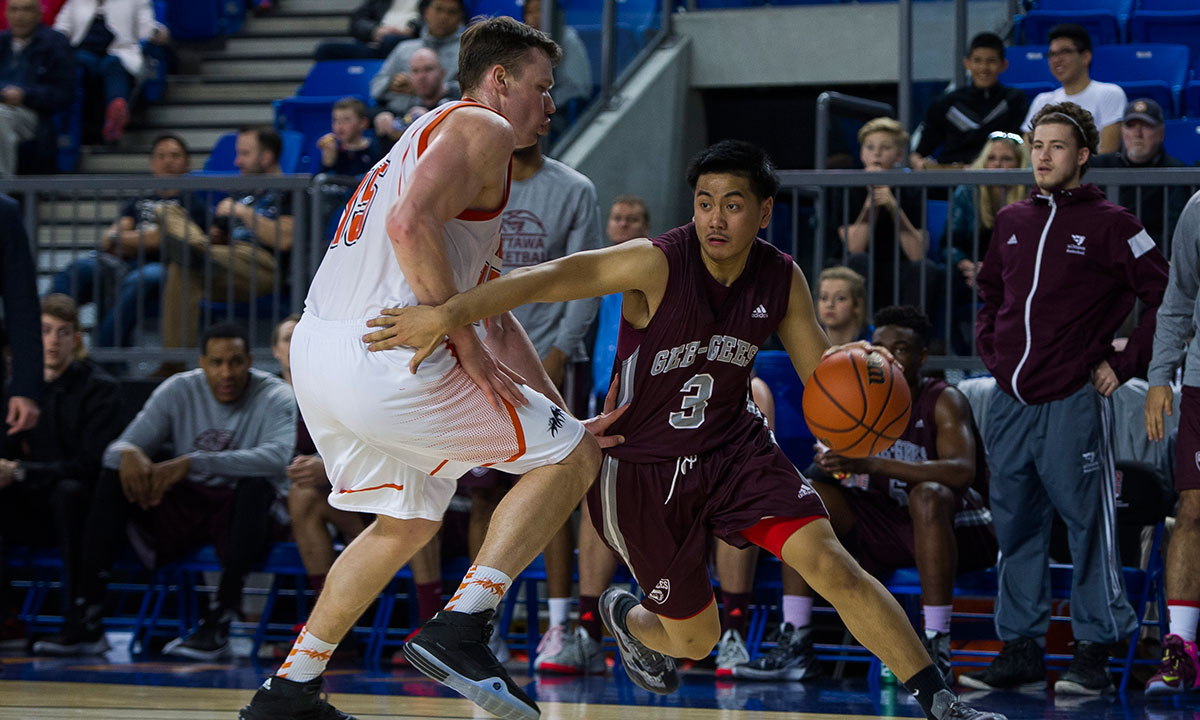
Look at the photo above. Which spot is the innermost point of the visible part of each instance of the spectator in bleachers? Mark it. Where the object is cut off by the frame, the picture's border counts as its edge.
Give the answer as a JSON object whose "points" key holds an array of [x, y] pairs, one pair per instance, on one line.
{"points": [[1070, 59], [1142, 133], [250, 236], [960, 120], [392, 87], [842, 305], [230, 431], [310, 512], [1180, 669], [879, 217], [345, 150], [124, 274], [430, 89], [49, 9], [377, 26], [37, 79], [47, 472], [107, 36], [976, 206], [19, 333], [921, 502], [1048, 424], [573, 75]]}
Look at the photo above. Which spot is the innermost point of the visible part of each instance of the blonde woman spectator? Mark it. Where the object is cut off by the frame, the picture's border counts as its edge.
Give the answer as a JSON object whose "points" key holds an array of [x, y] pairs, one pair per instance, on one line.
{"points": [[976, 205]]}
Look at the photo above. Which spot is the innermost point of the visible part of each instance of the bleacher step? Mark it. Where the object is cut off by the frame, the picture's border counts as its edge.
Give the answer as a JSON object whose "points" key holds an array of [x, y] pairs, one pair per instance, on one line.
{"points": [[66, 211], [170, 116], [275, 47], [212, 89], [341, 8], [251, 69], [295, 26], [134, 161]]}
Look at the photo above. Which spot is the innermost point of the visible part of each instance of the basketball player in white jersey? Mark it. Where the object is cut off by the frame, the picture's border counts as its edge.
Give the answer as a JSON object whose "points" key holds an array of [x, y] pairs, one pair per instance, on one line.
{"points": [[424, 225]]}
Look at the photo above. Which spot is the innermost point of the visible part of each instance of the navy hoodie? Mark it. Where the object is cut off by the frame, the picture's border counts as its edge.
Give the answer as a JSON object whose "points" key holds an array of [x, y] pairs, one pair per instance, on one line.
{"points": [[1061, 274]]}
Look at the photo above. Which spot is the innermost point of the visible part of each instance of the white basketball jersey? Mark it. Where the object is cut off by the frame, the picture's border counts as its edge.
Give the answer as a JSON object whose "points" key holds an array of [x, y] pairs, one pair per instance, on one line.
{"points": [[359, 274]]}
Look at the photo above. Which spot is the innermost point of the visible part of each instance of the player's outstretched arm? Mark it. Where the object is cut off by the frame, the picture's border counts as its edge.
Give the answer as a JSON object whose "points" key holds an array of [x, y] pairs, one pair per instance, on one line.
{"points": [[799, 331], [636, 266]]}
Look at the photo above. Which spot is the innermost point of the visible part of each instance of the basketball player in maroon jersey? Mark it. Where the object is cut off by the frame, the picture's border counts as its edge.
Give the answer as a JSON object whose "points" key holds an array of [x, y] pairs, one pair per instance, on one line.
{"points": [[698, 459]]}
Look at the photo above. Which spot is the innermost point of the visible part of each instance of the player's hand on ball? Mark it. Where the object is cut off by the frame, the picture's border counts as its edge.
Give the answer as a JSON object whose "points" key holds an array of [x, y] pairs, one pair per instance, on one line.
{"points": [[840, 466], [421, 326], [865, 347]]}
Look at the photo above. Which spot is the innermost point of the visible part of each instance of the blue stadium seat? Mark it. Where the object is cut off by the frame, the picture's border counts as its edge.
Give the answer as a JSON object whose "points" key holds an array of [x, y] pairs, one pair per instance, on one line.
{"points": [[309, 116], [1180, 27], [1027, 64], [1153, 71], [1166, 5], [1182, 139], [627, 47], [511, 8], [1191, 99], [196, 19], [1104, 20], [220, 160], [1033, 89], [340, 78], [936, 212]]}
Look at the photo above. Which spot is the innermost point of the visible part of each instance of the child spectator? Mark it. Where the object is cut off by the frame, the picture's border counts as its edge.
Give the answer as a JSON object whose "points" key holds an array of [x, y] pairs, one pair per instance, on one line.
{"points": [[842, 304], [346, 151]]}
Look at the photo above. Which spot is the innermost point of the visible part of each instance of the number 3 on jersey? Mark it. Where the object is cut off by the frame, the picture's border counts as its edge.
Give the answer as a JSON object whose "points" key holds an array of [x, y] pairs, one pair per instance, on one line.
{"points": [[355, 215], [696, 391]]}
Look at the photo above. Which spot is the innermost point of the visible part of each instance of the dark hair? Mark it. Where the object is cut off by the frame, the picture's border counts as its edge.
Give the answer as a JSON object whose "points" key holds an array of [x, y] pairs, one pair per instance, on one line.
{"points": [[736, 157], [1075, 117], [988, 40], [294, 317], [61, 307], [164, 137], [423, 5], [499, 41], [268, 139], [906, 316], [227, 330], [1077, 34], [353, 104]]}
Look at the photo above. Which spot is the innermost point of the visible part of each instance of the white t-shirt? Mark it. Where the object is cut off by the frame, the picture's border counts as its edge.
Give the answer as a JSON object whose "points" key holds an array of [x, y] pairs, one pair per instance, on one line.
{"points": [[400, 13], [1105, 101]]}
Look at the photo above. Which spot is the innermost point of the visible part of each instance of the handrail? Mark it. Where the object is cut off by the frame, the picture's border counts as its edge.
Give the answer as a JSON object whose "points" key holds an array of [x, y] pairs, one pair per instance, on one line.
{"points": [[829, 101]]}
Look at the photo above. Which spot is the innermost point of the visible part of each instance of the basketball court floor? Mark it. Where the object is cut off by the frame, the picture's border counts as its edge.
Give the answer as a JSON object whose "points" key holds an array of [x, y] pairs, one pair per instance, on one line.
{"points": [[117, 687]]}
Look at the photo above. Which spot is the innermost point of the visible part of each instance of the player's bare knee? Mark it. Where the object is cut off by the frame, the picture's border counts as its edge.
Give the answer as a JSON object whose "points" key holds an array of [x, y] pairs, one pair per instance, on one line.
{"points": [[584, 461], [695, 641], [931, 502], [1189, 507]]}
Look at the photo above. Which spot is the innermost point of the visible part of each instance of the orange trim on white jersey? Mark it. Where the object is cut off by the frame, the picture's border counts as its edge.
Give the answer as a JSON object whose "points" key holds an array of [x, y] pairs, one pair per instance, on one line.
{"points": [[469, 215]]}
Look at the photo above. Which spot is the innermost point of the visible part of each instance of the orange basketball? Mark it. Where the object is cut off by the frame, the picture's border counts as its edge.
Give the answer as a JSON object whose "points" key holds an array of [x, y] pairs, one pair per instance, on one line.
{"points": [[857, 403]]}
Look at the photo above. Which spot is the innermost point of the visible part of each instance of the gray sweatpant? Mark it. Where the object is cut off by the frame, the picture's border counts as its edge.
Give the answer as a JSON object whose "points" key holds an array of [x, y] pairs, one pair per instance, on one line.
{"points": [[1056, 455], [17, 123]]}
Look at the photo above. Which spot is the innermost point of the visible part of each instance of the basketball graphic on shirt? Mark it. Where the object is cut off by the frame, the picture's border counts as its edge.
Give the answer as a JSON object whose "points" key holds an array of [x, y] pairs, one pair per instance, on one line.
{"points": [[857, 403]]}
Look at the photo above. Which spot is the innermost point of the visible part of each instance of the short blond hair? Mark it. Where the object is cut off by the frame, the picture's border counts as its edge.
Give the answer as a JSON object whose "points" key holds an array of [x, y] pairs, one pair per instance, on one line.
{"points": [[884, 125], [858, 288]]}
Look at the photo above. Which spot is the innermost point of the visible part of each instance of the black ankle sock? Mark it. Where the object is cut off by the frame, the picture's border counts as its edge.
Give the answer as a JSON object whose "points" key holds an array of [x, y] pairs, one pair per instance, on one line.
{"points": [[924, 685]]}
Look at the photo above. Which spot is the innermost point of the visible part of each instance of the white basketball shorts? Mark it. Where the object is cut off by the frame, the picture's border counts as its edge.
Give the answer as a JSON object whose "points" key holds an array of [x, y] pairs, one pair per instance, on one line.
{"points": [[395, 443]]}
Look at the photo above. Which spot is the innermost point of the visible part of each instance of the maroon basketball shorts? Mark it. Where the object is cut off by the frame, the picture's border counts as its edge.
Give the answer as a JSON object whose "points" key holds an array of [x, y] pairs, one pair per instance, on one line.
{"points": [[1187, 443], [658, 517], [882, 538]]}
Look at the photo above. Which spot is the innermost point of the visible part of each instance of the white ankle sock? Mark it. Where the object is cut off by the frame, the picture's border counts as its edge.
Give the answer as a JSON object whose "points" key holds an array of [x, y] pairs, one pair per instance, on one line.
{"points": [[797, 610], [1182, 618], [481, 589], [308, 658], [559, 609]]}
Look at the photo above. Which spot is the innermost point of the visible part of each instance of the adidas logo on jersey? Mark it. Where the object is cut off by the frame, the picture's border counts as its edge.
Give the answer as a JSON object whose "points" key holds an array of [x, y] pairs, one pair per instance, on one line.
{"points": [[759, 313], [1012, 240]]}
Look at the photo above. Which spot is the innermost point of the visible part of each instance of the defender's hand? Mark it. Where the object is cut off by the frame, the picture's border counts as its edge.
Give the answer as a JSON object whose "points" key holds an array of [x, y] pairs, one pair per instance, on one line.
{"points": [[1159, 401], [599, 425], [420, 326]]}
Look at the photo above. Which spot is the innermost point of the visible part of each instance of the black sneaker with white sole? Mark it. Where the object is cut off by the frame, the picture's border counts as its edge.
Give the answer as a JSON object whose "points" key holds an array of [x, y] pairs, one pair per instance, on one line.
{"points": [[1021, 665], [947, 706], [648, 669], [208, 642], [792, 658], [82, 633], [1088, 674], [282, 699], [452, 648]]}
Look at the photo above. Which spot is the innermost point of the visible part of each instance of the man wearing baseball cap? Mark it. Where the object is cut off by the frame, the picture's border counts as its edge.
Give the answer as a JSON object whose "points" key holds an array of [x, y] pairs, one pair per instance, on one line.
{"points": [[1142, 147]]}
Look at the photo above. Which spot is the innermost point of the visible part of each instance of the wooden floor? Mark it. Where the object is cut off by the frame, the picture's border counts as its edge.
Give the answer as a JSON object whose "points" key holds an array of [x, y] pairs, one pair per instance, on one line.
{"points": [[95, 701]]}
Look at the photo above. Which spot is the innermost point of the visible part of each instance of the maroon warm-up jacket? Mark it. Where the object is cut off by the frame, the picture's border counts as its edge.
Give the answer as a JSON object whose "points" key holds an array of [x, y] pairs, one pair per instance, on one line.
{"points": [[1060, 275]]}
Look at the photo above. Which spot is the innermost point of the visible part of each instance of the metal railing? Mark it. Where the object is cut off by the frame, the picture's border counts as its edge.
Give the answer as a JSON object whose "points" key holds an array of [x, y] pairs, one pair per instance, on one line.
{"points": [[67, 217]]}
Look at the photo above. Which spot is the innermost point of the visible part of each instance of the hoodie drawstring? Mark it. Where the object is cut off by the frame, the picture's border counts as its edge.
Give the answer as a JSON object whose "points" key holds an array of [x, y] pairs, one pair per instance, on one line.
{"points": [[682, 465]]}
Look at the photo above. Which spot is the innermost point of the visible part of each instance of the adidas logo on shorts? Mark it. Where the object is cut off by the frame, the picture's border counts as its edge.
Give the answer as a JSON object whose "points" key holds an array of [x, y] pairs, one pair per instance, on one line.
{"points": [[759, 313]]}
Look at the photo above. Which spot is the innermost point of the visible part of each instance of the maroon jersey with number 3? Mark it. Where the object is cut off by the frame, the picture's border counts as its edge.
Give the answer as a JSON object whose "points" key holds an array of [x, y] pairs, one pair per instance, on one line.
{"points": [[686, 375]]}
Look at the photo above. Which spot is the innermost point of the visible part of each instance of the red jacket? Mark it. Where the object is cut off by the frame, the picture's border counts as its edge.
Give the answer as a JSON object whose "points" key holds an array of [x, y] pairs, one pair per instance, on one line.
{"points": [[1060, 276]]}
